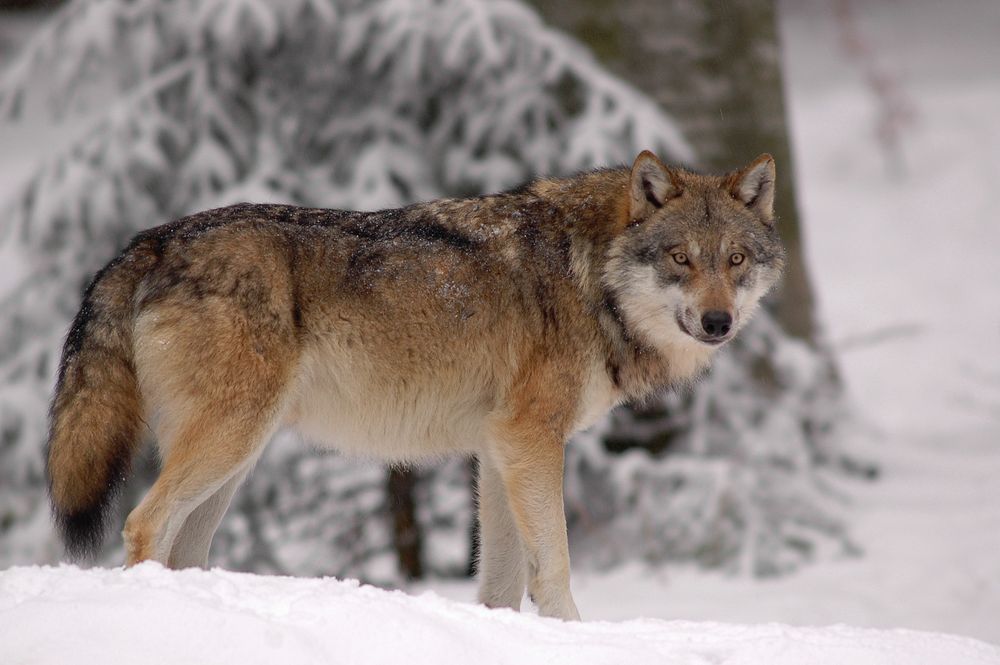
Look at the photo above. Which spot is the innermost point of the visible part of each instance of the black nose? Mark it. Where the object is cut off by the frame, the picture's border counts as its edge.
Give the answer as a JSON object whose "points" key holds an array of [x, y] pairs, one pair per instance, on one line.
{"points": [[716, 323]]}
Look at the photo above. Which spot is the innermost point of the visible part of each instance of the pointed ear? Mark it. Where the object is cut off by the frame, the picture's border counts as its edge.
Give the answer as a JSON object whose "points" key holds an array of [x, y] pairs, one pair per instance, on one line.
{"points": [[651, 186], [754, 186]]}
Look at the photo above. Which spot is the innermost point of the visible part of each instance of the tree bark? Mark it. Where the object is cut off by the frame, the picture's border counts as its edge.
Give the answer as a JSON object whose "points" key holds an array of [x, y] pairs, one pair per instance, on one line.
{"points": [[406, 534]]}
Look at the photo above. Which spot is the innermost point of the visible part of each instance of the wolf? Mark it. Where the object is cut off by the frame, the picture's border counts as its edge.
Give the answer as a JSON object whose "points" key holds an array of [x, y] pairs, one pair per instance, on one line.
{"points": [[496, 326]]}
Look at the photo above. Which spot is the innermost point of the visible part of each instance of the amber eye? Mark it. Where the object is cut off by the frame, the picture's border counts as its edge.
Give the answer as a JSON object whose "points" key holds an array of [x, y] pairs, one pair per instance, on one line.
{"points": [[736, 259], [681, 258]]}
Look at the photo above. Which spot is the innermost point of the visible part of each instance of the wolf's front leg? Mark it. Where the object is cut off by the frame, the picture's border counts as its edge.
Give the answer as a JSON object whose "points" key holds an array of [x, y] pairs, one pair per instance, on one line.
{"points": [[532, 475], [501, 553]]}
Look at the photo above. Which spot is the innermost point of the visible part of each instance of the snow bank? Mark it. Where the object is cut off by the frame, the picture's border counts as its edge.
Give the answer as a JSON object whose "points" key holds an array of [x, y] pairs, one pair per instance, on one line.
{"points": [[151, 615]]}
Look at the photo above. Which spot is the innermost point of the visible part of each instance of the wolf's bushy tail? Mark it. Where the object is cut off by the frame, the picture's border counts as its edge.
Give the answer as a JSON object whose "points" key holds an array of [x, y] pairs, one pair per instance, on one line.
{"points": [[96, 415]]}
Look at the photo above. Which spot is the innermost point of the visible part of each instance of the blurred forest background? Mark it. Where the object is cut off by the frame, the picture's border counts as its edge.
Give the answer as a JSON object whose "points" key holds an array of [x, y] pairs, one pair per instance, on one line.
{"points": [[142, 111]]}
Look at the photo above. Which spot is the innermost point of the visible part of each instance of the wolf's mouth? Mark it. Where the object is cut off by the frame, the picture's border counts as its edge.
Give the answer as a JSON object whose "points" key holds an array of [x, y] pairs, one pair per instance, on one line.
{"points": [[711, 341]]}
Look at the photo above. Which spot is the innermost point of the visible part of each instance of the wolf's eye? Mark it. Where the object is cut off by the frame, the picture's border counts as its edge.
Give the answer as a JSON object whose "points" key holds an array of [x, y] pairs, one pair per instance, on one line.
{"points": [[681, 258], [737, 259]]}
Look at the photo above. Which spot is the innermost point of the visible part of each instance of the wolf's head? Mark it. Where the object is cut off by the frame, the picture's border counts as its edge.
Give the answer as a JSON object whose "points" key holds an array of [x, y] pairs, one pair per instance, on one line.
{"points": [[697, 252]]}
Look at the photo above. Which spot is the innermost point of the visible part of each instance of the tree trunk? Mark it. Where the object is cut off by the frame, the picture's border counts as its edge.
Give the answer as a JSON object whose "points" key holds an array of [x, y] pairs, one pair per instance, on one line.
{"points": [[406, 534]]}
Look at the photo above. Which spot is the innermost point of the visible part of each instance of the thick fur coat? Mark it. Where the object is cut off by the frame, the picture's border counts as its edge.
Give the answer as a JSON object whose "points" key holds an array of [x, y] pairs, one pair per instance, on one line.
{"points": [[496, 326]]}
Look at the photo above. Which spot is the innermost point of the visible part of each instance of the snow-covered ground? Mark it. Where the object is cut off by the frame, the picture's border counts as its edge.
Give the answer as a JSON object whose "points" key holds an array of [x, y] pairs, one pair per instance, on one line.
{"points": [[910, 296], [150, 615]]}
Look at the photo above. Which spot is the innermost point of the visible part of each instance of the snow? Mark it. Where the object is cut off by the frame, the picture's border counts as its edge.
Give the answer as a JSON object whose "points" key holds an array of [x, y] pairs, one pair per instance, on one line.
{"points": [[928, 240], [910, 290], [151, 615]]}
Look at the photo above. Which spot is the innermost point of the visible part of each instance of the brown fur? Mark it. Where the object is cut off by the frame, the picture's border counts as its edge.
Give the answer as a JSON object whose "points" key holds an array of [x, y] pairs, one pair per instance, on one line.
{"points": [[496, 325]]}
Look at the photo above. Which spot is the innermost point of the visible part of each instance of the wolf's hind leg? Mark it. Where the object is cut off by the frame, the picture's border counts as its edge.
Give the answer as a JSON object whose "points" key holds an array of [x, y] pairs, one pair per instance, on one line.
{"points": [[192, 544], [501, 553], [209, 452], [214, 356]]}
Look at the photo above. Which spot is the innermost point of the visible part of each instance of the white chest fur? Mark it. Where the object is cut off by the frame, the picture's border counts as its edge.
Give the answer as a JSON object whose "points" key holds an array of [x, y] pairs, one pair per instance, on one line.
{"points": [[598, 396]]}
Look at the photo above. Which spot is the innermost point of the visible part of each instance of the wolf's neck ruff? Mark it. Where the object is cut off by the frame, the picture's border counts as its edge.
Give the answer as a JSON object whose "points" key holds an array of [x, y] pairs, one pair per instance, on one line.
{"points": [[592, 210]]}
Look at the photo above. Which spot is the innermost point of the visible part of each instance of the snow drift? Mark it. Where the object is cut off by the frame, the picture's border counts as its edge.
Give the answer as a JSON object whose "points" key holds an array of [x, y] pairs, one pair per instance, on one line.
{"points": [[150, 615]]}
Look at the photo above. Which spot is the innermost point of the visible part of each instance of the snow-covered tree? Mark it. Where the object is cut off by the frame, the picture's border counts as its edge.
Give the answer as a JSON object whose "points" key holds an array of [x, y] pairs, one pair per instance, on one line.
{"points": [[166, 107]]}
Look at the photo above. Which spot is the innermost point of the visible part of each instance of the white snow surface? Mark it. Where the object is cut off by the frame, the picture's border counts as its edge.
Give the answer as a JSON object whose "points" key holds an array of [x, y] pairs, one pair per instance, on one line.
{"points": [[151, 615]]}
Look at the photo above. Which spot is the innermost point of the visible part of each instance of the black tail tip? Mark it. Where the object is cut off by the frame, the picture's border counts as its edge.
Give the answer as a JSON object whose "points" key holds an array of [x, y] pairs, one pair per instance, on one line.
{"points": [[82, 532]]}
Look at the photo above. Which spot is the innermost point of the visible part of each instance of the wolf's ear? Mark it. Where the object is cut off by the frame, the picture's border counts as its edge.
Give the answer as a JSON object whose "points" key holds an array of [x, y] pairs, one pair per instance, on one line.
{"points": [[651, 186], [754, 186]]}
